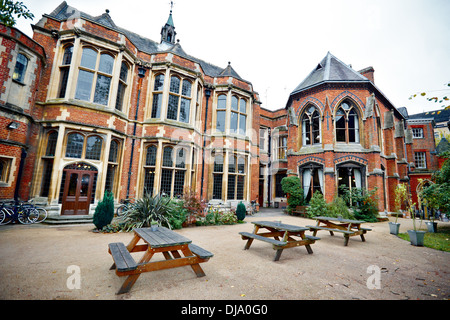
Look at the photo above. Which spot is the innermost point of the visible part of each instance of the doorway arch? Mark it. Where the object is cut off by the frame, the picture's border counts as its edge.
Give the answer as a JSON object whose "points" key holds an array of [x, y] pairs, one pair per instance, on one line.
{"points": [[78, 188]]}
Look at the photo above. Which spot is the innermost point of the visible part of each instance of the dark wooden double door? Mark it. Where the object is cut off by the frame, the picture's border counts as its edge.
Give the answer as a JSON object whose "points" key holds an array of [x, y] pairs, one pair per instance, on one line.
{"points": [[77, 194]]}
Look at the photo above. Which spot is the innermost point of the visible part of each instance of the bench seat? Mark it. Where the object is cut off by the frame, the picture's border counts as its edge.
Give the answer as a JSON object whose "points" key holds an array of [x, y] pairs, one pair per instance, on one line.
{"points": [[329, 229], [311, 237], [246, 235], [122, 257], [200, 252], [365, 229]]}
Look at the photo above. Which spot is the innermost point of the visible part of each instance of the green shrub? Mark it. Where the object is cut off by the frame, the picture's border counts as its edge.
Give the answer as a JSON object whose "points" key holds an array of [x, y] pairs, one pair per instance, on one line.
{"points": [[229, 218], [178, 214], [146, 209], [240, 211], [317, 206], [363, 203], [292, 187], [338, 208], [104, 212]]}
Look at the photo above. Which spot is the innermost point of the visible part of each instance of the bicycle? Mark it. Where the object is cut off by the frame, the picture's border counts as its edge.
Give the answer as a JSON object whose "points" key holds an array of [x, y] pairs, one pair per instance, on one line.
{"points": [[17, 212], [39, 214], [126, 204]]}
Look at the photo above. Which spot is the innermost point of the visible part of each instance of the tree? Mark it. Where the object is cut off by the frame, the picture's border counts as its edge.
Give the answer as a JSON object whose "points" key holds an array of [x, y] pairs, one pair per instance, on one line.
{"points": [[437, 194], [10, 11], [104, 212], [292, 187]]}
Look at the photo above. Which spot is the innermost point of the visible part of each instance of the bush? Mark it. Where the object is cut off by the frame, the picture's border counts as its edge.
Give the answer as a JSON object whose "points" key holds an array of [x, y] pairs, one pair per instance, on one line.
{"points": [[241, 211], [317, 206], [178, 214], [104, 212], [146, 209], [194, 208], [292, 187], [363, 203], [338, 208]]}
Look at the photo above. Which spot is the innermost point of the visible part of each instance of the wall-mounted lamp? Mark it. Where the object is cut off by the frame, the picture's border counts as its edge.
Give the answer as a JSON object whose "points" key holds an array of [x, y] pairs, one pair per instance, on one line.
{"points": [[13, 125]]}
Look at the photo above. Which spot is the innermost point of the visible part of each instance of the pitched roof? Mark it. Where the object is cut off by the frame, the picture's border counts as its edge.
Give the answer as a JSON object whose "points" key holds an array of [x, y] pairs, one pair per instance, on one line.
{"points": [[229, 72], [330, 69], [64, 12], [441, 115]]}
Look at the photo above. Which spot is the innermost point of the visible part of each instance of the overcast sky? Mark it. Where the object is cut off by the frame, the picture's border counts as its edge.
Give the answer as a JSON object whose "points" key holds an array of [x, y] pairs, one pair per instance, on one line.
{"points": [[276, 44]]}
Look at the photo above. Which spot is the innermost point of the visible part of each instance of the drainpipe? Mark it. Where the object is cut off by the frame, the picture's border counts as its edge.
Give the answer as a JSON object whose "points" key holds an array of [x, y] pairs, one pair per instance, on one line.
{"points": [[23, 155], [207, 94], [141, 74]]}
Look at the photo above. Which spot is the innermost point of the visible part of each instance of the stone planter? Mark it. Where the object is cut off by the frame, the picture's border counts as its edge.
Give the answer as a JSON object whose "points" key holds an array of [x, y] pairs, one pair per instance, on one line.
{"points": [[416, 237], [394, 228], [432, 226]]}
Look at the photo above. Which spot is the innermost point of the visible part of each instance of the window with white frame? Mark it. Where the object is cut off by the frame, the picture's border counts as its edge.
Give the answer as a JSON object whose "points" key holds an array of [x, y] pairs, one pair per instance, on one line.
{"points": [[420, 160], [262, 138], [417, 133]]}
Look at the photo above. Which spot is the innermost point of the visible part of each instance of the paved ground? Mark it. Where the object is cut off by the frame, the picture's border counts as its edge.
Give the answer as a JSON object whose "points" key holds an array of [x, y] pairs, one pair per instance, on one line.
{"points": [[35, 261]]}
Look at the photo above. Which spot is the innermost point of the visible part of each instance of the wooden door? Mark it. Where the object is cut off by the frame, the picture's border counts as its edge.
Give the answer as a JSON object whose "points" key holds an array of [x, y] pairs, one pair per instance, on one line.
{"points": [[77, 191]]}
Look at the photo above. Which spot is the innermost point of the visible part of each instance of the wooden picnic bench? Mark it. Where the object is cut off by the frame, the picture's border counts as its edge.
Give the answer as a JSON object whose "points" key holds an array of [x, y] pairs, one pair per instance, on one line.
{"points": [[348, 228], [282, 235], [300, 211], [162, 240]]}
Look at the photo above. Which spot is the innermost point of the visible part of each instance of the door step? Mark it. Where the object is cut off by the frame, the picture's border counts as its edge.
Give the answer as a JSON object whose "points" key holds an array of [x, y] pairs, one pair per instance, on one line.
{"points": [[66, 219]]}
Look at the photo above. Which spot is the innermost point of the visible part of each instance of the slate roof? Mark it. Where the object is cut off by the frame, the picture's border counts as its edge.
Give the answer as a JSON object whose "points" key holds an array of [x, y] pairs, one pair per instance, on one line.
{"points": [[330, 69], [65, 12], [439, 116]]}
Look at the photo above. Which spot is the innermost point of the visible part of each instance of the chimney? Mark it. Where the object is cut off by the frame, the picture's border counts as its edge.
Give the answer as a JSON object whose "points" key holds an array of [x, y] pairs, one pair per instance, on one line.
{"points": [[368, 73]]}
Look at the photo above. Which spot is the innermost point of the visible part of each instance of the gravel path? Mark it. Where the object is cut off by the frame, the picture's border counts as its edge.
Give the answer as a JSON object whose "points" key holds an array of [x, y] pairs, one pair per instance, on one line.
{"points": [[35, 260]]}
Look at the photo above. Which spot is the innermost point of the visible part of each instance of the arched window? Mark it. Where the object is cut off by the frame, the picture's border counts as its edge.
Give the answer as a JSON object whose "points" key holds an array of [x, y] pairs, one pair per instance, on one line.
{"points": [[93, 147], [221, 112], [173, 176], [149, 168], [158, 87], [20, 68], [94, 68], [64, 70], [179, 106], [113, 165], [238, 117], [312, 180], [236, 177], [347, 123], [217, 176], [311, 126], [123, 77], [74, 148]]}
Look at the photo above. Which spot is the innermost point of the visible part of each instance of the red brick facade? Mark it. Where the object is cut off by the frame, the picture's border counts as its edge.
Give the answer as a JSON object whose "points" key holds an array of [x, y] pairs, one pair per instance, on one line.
{"points": [[146, 117]]}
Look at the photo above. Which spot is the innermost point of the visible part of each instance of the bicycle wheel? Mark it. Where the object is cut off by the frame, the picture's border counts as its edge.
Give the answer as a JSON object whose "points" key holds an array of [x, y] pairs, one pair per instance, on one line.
{"points": [[42, 215], [6, 215], [120, 210], [28, 215]]}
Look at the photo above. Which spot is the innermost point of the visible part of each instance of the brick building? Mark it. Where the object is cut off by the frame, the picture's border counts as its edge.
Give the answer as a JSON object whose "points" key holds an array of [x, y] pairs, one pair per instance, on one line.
{"points": [[103, 108]]}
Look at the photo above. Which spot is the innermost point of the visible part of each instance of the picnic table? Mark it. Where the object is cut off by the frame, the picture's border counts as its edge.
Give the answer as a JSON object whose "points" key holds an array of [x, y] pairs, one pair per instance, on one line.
{"points": [[163, 240], [282, 235], [348, 228]]}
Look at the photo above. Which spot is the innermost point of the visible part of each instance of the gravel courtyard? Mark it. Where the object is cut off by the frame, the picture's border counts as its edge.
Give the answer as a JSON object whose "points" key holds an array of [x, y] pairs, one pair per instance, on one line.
{"points": [[36, 259]]}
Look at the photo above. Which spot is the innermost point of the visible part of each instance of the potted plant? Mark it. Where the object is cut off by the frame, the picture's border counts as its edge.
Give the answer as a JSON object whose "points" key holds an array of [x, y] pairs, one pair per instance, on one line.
{"points": [[401, 197], [416, 236], [154, 225], [431, 225]]}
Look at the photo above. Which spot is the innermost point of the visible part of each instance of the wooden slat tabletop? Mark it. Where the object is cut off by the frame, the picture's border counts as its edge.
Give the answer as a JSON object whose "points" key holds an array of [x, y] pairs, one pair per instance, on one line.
{"points": [[280, 226], [162, 237]]}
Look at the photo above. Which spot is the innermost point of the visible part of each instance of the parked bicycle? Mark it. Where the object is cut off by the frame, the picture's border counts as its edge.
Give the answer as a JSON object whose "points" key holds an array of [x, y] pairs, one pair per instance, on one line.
{"points": [[25, 213], [126, 204]]}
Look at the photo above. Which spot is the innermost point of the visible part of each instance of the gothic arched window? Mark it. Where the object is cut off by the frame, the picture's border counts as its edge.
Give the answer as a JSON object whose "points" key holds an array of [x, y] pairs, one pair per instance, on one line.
{"points": [[347, 123], [311, 126]]}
